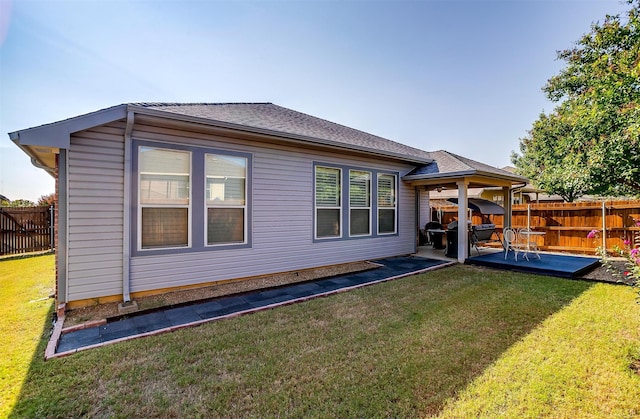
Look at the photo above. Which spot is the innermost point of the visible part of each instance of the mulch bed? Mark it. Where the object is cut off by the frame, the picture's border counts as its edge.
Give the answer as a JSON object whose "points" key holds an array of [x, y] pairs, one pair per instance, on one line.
{"points": [[613, 274]]}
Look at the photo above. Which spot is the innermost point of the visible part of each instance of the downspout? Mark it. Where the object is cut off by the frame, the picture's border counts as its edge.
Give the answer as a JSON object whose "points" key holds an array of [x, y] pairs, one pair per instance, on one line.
{"points": [[510, 203], [126, 222], [513, 188], [62, 254]]}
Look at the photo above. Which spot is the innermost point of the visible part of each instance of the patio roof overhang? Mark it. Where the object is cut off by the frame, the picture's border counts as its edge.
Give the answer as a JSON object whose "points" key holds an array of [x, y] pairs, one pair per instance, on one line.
{"points": [[471, 178]]}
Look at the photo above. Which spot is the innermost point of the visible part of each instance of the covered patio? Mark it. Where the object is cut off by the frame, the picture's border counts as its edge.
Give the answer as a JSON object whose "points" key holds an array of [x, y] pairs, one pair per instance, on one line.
{"points": [[452, 172]]}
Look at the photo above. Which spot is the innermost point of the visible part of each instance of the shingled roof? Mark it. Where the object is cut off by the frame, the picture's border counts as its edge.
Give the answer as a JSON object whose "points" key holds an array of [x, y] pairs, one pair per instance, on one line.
{"points": [[260, 118], [277, 120], [449, 164]]}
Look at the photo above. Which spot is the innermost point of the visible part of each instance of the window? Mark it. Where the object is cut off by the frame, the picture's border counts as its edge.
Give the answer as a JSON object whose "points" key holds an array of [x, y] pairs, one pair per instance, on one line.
{"points": [[164, 197], [359, 203], [386, 204], [225, 191], [368, 197], [189, 199], [328, 202]]}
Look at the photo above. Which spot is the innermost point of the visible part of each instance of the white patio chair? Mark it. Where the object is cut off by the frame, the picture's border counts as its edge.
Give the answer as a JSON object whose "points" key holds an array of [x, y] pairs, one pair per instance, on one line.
{"points": [[530, 245], [512, 242]]}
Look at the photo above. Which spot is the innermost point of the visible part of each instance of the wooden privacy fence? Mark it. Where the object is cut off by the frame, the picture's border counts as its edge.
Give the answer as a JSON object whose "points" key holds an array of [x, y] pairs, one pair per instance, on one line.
{"points": [[26, 229], [566, 225]]}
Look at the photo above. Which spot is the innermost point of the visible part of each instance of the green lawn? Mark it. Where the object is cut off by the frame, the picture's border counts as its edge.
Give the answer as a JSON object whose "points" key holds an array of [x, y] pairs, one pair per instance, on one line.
{"points": [[460, 342], [25, 285]]}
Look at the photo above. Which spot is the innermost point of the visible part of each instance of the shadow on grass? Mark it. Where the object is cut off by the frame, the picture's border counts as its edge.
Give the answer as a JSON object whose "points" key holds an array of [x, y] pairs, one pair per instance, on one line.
{"points": [[37, 358], [25, 286], [397, 349]]}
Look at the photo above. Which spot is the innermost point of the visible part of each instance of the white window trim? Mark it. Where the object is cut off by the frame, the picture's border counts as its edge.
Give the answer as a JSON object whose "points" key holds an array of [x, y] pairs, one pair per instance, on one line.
{"points": [[394, 207], [244, 207], [369, 208], [140, 206], [315, 204]]}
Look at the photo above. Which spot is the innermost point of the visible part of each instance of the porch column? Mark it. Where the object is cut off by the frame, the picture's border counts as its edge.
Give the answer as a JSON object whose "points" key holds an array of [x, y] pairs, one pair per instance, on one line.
{"points": [[425, 207], [463, 228], [506, 195]]}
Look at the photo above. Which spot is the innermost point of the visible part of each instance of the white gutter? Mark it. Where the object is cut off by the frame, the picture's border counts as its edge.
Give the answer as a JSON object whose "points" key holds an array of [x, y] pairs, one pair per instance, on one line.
{"points": [[39, 165], [126, 223]]}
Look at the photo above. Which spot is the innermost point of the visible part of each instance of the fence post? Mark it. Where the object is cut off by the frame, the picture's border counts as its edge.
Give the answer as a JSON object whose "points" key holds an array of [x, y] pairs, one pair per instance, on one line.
{"points": [[604, 226], [51, 228]]}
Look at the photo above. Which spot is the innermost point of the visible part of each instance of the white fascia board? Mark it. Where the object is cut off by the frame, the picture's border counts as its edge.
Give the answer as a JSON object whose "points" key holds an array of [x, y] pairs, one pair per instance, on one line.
{"points": [[441, 175], [279, 134], [508, 177], [57, 134]]}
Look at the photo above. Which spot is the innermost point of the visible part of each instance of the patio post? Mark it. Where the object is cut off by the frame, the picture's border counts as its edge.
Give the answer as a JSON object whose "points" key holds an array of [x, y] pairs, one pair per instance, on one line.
{"points": [[425, 207], [463, 228], [604, 226], [506, 191]]}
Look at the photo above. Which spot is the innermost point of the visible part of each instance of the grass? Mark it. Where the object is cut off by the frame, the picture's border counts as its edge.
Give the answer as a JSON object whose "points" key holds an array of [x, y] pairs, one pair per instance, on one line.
{"points": [[25, 284], [577, 363], [459, 342]]}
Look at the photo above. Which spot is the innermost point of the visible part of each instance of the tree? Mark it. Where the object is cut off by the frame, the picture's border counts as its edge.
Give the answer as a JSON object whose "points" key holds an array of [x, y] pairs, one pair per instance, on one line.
{"points": [[18, 203], [47, 200], [590, 143]]}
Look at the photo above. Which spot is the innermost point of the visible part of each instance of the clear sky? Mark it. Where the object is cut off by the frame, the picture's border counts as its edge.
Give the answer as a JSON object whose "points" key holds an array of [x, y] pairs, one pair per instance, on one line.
{"points": [[463, 76]]}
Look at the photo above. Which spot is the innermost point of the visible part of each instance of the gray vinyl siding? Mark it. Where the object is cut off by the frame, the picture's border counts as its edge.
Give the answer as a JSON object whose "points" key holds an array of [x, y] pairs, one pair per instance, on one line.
{"points": [[282, 217], [282, 214], [95, 208]]}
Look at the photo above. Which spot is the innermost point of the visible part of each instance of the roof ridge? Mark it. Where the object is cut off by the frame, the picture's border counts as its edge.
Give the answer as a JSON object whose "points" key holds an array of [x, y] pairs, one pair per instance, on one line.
{"points": [[145, 104]]}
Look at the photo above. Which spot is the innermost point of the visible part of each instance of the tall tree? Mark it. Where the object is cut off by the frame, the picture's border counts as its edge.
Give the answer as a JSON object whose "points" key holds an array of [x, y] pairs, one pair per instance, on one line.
{"points": [[590, 143]]}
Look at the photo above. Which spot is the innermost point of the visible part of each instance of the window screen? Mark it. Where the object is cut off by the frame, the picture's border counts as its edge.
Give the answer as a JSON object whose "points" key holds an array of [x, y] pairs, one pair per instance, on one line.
{"points": [[164, 191], [327, 199]]}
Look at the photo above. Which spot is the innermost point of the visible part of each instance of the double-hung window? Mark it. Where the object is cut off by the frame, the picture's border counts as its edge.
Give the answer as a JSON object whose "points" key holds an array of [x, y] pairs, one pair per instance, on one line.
{"points": [[328, 198], [387, 205], [164, 196], [226, 199], [369, 199], [190, 199], [359, 203]]}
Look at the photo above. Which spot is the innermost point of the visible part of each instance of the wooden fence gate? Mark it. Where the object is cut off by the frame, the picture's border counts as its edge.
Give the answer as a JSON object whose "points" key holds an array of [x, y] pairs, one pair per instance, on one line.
{"points": [[26, 229]]}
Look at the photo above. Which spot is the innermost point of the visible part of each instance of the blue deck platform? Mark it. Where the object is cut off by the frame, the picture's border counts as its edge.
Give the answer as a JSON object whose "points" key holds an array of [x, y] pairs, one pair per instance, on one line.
{"points": [[564, 266]]}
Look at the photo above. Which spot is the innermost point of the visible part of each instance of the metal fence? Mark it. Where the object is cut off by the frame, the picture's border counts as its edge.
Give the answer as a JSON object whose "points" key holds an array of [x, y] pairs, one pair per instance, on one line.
{"points": [[26, 229]]}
